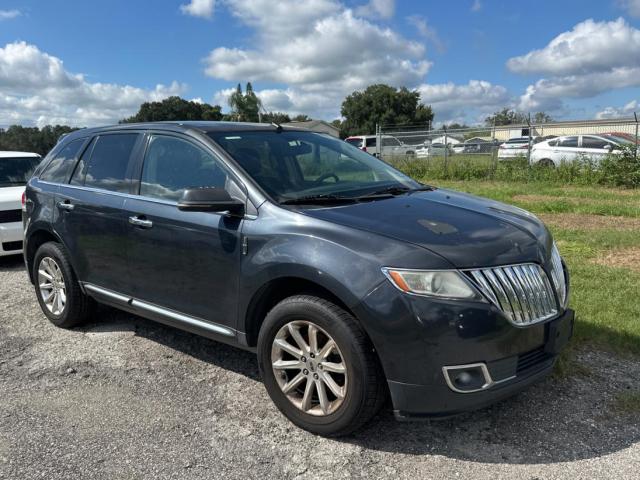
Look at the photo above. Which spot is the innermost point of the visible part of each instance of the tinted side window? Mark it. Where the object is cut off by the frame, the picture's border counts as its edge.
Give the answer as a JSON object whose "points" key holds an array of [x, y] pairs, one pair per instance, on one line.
{"points": [[371, 142], [390, 142], [171, 165], [593, 142], [61, 166], [107, 166], [571, 142]]}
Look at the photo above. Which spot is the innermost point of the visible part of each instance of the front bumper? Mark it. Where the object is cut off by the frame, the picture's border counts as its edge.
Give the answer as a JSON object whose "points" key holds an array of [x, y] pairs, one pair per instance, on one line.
{"points": [[11, 235], [416, 337]]}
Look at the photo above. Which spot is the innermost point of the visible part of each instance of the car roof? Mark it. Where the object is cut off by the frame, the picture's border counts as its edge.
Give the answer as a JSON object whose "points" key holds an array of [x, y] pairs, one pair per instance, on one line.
{"points": [[181, 126], [8, 154]]}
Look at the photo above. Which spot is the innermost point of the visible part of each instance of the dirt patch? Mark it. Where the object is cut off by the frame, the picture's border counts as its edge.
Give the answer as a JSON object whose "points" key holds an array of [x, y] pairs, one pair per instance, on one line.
{"points": [[584, 221], [573, 200], [623, 258]]}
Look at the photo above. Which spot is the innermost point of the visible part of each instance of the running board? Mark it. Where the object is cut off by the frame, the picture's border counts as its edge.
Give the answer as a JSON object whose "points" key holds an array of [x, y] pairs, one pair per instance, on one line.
{"points": [[171, 315]]}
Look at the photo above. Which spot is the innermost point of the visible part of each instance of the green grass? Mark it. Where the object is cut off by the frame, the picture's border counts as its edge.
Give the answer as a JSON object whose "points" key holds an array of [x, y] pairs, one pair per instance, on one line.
{"points": [[606, 298]]}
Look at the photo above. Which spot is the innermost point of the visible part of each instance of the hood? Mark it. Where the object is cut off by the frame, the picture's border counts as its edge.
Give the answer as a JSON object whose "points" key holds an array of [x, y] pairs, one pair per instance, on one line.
{"points": [[466, 230], [11, 198]]}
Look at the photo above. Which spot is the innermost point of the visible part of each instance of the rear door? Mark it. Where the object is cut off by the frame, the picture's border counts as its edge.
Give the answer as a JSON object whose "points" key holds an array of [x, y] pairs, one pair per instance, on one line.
{"points": [[89, 208], [186, 262]]}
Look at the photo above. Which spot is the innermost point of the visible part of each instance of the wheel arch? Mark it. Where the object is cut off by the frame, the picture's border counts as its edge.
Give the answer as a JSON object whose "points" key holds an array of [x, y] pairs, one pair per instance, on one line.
{"points": [[33, 241], [276, 290]]}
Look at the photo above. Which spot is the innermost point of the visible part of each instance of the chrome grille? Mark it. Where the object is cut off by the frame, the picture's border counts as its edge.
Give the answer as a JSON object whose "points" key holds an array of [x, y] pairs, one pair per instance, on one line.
{"points": [[523, 292]]}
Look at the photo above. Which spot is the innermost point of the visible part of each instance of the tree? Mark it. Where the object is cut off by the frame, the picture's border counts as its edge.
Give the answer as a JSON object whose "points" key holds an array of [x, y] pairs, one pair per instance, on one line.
{"points": [[301, 118], [506, 116], [276, 117], [541, 117], [175, 108], [32, 139], [245, 107], [383, 105]]}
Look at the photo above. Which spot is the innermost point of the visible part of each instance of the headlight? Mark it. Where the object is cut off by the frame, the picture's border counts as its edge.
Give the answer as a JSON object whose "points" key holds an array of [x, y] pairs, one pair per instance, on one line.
{"points": [[433, 283]]}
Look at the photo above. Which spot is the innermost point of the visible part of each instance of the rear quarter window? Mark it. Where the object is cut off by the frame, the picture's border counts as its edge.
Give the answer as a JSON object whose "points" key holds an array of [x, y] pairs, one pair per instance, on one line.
{"points": [[60, 168], [105, 164]]}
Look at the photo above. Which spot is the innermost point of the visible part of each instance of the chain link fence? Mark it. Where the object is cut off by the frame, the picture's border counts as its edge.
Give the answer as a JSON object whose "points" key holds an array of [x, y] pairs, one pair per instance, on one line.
{"points": [[477, 152]]}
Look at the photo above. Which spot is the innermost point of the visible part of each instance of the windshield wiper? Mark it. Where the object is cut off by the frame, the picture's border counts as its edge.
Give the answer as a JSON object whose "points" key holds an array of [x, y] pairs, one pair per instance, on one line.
{"points": [[397, 190], [318, 199]]}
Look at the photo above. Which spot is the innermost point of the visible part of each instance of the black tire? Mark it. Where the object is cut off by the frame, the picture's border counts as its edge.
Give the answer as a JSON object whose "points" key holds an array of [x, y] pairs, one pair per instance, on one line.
{"points": [[547, 163], [366, 390], [78, 307]]}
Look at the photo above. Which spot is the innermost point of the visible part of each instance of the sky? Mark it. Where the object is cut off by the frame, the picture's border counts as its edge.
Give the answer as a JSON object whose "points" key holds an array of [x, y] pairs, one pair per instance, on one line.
{"points": [[86, 63]]}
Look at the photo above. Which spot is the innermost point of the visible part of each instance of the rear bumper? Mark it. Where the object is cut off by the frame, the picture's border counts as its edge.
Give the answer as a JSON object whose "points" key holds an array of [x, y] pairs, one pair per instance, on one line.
{"points": [[11, 235]]}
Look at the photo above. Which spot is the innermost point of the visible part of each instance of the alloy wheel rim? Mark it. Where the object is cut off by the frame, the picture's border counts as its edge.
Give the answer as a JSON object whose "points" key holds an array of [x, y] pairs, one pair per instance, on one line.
{"points": [[52, 287], [309, 368]]}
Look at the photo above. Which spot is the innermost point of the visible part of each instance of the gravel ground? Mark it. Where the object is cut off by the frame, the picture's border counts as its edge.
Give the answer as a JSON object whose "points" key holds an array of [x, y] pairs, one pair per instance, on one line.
{"points": [[127, 398]]}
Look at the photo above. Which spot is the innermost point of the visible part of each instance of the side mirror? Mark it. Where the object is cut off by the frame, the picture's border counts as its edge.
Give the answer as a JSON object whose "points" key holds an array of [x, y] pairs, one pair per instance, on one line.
{"points": [[608, 148], [210, 200]]}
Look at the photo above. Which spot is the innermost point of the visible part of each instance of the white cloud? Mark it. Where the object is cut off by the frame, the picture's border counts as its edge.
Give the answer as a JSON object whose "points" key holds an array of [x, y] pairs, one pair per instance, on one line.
{"points": [[427, 31], [9, 14], [617, 112], [590, 47], [199, 8], [377, 9], [476, 6], [326, 54], [592, 58], [460, 103], [36, 89], [631, 6]]}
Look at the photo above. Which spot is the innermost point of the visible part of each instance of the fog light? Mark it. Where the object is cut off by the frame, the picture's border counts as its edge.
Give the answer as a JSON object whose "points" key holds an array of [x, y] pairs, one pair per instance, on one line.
{"points": [[467, 378]]}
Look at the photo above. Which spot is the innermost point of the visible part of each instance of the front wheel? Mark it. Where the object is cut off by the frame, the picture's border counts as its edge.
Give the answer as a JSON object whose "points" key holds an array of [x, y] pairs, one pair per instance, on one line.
{"points": [[319, 367]]}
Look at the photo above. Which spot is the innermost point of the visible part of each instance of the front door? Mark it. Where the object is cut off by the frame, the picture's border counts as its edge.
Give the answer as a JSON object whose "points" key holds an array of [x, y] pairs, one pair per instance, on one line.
{"points": [[186, 262]]}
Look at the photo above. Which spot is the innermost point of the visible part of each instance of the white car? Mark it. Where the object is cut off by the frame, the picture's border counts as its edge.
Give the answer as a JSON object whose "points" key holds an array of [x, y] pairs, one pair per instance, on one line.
{"points": [[15, 170], [390, 145], [431, 150], [569, 148], [514, 147]]}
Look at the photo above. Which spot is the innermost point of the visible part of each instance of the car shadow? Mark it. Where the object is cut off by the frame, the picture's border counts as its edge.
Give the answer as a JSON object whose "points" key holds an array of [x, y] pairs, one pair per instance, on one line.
{"points": [[559, 419], [225, 356], [11, 263]]}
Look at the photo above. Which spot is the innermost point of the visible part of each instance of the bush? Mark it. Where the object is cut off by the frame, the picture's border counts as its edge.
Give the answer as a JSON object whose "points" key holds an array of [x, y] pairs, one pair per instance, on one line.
{"points": [[615, 170], [622, 170]]}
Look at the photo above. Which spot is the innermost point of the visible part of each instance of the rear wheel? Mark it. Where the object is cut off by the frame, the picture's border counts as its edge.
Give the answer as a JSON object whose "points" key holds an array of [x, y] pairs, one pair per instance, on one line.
{"points": [[318, 366], [57, 287], [546, 162]]}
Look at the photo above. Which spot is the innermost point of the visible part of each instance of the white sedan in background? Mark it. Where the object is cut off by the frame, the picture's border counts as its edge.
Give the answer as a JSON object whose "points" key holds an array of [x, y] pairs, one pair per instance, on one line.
{"points": [[15, 170], [514, 147], [574, 147], [432, 150]]}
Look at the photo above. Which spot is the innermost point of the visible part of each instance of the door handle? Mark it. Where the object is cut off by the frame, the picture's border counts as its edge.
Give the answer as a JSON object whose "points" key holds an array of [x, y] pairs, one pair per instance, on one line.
{"points": [[66, 205], [140, 222]]}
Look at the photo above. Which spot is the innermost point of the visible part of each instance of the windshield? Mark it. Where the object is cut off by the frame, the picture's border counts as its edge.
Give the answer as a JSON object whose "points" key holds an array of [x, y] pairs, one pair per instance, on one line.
{"points": [[17, 171], [620, 140], [292, 165]]}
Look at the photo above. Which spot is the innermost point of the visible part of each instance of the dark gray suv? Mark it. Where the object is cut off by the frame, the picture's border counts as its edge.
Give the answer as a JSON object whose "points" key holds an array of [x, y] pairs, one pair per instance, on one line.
{"points": [[350, 280]]}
